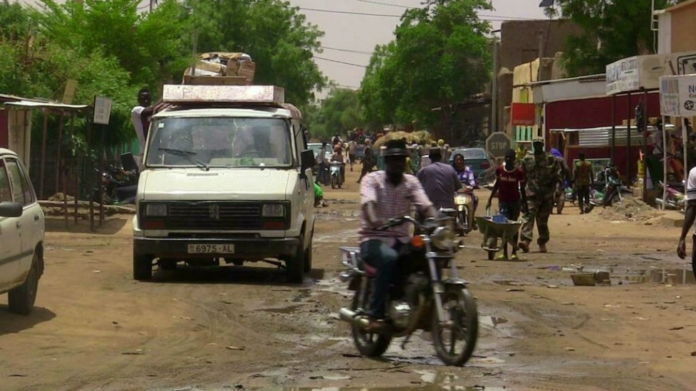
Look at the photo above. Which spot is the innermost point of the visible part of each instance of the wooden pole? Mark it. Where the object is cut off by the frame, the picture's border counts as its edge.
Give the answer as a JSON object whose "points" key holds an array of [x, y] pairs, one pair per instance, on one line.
{"points": [[43, 154], [645, 146], [60, 143], [101, 170], [613, 127], [628, 141]]}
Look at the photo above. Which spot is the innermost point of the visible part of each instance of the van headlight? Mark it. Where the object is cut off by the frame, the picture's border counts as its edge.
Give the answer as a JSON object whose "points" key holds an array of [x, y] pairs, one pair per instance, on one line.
{"points": [[273, 210], [156, 210], [442, 238]]}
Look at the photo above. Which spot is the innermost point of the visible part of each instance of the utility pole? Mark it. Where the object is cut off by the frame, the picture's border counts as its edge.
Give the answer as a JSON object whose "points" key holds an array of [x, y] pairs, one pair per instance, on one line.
{"points": [[151, 2], [494, 89]]}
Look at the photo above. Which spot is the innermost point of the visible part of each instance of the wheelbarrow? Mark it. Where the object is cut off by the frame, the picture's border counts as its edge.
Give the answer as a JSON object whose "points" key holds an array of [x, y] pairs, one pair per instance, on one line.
{"points": [[493, 230]]}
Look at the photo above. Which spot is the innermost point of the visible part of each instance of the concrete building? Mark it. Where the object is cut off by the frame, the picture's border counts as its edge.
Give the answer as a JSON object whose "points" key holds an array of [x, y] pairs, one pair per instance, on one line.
{"points": [[677, 28], [523, 41]]}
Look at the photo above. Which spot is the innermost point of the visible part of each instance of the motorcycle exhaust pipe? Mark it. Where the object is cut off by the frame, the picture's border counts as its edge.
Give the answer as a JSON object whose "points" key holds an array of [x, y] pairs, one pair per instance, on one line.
{"points": [[349, 316]]}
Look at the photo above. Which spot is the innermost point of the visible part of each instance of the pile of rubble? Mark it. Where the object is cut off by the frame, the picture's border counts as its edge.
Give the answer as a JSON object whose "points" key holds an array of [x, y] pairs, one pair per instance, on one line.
{"points": [[629, 209]]}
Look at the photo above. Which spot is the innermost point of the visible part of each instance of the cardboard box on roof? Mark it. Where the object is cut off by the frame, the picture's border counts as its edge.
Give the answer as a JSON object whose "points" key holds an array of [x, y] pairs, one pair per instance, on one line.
{"points": [[247, 69]]}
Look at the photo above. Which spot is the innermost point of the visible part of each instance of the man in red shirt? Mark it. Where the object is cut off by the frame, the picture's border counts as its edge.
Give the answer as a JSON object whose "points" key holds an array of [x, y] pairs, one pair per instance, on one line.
{"points": [[509, 185]]}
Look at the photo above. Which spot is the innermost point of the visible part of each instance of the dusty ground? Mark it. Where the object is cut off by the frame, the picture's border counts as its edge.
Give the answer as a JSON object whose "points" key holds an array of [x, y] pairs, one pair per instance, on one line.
{"points": [[96, 328]]}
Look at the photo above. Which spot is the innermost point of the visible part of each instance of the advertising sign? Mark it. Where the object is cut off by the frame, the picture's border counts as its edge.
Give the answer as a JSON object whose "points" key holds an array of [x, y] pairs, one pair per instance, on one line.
{"points": [[523, 114], [102, 110], [678, 96], [644, 72]]}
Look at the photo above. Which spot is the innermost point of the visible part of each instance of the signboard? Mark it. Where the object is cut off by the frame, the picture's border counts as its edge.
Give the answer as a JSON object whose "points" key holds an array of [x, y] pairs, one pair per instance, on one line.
{"points": [[102, 110], [523, 114], [623, 76], [497, 143], [644, 72], [678, 96], [222, 94]]}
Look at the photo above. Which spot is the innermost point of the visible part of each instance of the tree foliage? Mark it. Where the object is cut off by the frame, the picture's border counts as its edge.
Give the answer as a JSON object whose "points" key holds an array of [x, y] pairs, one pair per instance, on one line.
{"points": [[441, 55], [275, 34], [339, 113], [613, 30], [113, 48]]}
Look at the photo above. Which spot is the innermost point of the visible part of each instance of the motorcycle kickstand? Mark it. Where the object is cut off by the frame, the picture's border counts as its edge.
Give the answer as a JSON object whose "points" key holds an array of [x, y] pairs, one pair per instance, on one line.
{"points": [[406, 340]]}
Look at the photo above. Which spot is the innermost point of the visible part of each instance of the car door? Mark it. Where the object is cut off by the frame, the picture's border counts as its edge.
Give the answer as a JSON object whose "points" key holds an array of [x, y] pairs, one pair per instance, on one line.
{"points": [[10, 244], [306, 188], [30, 225]]}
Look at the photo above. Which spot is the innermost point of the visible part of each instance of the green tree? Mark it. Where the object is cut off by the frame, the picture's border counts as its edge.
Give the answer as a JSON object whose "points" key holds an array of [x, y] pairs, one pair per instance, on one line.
{"points": [[613, 30], [276, 35], [441, 55], [146, 45], [339, 113]]}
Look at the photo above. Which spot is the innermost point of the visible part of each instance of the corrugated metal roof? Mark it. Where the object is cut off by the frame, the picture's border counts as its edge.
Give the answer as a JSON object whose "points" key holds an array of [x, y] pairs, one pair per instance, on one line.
{"points": [[45, 105], [601, 137]]}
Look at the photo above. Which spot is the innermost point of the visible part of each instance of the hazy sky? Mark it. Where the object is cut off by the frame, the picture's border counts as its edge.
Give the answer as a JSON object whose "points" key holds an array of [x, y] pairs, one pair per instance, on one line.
{"points": [[362, 33]]}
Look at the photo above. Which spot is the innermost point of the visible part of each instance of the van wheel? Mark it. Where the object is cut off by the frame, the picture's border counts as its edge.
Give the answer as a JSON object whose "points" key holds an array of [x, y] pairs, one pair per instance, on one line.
{"points": [[308, 257], [295, 265], [142, 267], [21, 299]]}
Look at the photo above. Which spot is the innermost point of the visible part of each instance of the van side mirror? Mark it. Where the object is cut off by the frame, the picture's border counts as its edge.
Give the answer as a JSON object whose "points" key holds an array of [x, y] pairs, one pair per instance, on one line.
{"points": [[11, 209], [307, 161]]}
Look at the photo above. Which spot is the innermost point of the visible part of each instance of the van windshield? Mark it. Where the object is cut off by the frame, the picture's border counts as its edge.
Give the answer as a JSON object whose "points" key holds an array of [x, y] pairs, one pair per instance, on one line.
{"points": [[220, 142]]}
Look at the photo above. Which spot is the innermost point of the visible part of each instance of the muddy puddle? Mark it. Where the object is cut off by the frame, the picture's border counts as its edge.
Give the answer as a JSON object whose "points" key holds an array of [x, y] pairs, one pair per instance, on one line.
{"points": [[431, 387], [660, 276]]}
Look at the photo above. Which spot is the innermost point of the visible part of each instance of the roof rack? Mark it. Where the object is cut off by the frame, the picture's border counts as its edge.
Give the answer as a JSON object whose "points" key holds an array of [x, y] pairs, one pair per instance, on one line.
{"points": [[198, 94]]}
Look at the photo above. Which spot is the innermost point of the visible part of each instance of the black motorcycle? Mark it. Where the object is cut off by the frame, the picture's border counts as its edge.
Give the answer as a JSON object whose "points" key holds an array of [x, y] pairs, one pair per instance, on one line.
{"points": [[120, 186], [612, 186], [426, 295]]}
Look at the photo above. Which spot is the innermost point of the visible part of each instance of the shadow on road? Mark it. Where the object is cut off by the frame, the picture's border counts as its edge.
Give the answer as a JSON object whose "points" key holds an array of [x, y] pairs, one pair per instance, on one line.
{"points": [[110, 226], [12, 323], [243, 275]]}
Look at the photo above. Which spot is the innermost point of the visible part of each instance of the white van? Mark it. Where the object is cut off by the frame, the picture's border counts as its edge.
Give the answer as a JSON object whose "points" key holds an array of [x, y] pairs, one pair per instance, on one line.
{"points": [[227, 177]]}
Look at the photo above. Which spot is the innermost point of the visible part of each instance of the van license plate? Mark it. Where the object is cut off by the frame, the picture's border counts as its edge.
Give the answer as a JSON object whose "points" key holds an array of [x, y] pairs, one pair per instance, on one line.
{"points": [[211, 248]]}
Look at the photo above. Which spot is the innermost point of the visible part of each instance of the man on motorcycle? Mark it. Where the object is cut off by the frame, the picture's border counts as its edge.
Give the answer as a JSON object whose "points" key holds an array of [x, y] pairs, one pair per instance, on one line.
{"points": [[384, 195], [542, 171], [338, 157], [439, 180], [509, 185]]}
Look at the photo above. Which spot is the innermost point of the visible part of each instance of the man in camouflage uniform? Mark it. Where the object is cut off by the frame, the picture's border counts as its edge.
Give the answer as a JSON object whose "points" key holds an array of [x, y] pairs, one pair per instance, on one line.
{"points": [[542, 172]]}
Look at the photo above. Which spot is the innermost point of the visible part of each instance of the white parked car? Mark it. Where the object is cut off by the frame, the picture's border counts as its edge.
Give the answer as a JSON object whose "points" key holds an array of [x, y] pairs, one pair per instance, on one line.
{"points": [[22, 227]]}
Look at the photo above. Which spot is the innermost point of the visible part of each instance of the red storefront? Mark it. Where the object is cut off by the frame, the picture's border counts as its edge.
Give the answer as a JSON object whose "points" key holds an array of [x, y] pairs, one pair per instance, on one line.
{"points": [[600, 112]]}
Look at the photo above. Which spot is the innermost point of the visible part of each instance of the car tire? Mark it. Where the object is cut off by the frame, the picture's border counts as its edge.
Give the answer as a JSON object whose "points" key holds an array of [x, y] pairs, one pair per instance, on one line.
{"points": [[142, 267], [295, 264], [21, 299], [308, 256]]}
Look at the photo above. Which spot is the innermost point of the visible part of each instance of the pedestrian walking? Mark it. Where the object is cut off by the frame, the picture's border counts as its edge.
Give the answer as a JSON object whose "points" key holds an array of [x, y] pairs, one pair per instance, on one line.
{"points": [[689, 218], [352, 145], [368, 161], [322, 165], [542, 172], [509, 186], [440, 181], [584, 180]]}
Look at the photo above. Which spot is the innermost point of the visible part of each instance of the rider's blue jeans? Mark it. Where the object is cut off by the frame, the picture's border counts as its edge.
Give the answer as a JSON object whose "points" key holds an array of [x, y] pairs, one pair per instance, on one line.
{"points": [[381, 256]]}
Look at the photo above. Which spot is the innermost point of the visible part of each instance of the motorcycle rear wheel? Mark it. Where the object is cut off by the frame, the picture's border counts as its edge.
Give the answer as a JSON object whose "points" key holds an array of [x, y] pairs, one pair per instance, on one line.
{"points": [[463, 325], [369, 345]]}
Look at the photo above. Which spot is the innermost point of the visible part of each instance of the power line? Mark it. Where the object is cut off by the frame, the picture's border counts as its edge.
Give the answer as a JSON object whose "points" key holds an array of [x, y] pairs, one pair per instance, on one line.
{"points": [[347, 50], [490, 18], [380, 3], [341, 62]]}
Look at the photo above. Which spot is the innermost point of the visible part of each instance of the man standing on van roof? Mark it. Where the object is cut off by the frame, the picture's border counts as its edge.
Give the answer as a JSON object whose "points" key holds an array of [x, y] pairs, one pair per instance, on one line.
{"points": [[140, 116]]}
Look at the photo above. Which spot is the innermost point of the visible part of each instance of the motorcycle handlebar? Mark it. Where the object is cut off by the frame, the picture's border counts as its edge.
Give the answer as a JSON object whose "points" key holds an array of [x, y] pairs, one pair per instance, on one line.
{"points": [[396, 221]]}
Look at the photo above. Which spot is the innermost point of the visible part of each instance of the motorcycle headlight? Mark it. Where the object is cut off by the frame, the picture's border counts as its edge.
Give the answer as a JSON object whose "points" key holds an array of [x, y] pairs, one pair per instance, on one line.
{"points": [[156, 210], [460, 200], [442, 238]]}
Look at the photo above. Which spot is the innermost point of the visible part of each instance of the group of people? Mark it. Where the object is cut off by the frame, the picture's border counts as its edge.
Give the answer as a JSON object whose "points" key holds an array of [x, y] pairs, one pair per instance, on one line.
{"points": [[528, 187]]}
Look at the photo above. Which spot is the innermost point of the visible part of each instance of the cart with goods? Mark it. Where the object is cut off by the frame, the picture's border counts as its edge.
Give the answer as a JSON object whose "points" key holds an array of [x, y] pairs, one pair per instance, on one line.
{"points": [[497, 228]]}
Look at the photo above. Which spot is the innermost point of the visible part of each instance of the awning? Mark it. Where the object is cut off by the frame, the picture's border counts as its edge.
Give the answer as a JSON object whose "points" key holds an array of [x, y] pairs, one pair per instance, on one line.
{"points": [[46, 105]]}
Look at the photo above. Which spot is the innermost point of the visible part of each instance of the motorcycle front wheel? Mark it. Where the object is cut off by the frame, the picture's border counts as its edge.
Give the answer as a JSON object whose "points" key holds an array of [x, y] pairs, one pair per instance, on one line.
{"points": [[369, 345], [460, 307]]}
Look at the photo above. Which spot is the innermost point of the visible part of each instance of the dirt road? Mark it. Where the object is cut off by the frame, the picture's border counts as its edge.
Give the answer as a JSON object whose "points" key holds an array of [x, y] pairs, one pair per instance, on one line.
{"points": [[236, 328]]}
